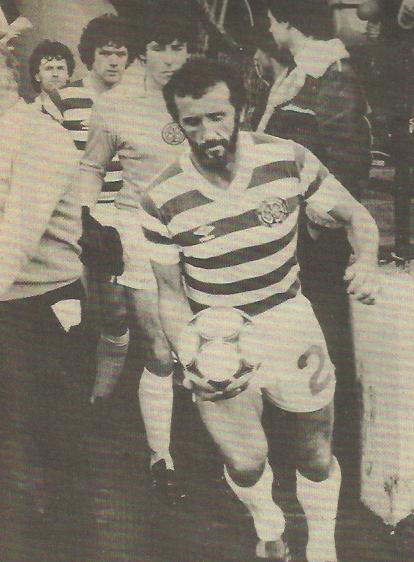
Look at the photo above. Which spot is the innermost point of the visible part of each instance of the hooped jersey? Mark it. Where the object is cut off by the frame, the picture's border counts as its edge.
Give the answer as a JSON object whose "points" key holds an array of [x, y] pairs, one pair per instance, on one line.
{"points": [[238, 245], [76, 101]]}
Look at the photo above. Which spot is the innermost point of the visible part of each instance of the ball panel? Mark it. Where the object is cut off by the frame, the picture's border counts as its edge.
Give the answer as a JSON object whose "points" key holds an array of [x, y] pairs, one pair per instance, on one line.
{"points": [[218, 360], [188, 345], [219, 322]]}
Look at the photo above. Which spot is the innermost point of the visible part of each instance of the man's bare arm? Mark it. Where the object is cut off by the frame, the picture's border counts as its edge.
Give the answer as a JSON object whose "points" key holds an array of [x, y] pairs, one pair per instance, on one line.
{"points": [[363, 275], [174, 308]]}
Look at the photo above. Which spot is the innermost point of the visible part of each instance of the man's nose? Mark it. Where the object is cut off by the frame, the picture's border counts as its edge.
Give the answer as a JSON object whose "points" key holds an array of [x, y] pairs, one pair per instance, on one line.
{"points": [[168, 57], [209, 130]]}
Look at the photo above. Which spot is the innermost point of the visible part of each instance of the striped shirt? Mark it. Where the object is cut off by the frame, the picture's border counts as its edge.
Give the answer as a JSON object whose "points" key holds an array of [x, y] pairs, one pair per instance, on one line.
{"points": [[237, 246], [76, 105]]}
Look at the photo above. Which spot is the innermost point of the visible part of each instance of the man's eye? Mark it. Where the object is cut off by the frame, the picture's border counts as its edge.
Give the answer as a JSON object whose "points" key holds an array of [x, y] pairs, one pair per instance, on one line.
{"points": [[191, 121], [216, 117], [178, 47]]}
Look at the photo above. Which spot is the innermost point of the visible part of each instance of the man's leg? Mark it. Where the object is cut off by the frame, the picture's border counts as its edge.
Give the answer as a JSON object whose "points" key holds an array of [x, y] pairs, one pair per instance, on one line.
{"points": [[318, 481], [155, 389], [235, 426], [113, 341]]}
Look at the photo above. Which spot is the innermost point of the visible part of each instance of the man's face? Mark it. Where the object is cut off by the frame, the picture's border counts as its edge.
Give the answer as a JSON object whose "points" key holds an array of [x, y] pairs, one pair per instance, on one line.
{"points": [[211, 126], [161, 61], [53, 74], [110, 63], [281, 31]]}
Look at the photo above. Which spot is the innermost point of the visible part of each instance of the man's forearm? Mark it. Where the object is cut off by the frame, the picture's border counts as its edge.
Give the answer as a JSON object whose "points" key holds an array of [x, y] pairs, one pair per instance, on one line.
{"points": [[363, 236], [175, 312]]}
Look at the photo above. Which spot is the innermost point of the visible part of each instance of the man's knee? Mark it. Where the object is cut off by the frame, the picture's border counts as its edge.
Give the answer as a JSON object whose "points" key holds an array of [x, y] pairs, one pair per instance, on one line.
{"points": [[314, 446], [158, 355], [245, 468], [316, 466]]}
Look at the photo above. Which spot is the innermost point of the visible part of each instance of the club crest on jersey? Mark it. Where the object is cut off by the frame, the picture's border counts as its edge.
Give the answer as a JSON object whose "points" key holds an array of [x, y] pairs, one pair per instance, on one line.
{"points": [[172, 134], [272, 211]]}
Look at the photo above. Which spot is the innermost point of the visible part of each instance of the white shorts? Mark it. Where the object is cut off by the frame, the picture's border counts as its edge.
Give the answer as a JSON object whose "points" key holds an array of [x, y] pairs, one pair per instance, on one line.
{"points": [[296, 373], [138, 272]]}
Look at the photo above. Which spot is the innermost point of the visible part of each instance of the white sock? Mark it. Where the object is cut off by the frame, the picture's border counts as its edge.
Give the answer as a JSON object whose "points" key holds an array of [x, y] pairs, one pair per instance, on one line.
{"points": [[110, 360], [320, 504], [268, 518], [156, 402]]}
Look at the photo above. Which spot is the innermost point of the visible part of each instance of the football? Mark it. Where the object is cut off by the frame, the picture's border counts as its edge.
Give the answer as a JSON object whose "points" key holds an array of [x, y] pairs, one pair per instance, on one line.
{"points": [[219, 350]]}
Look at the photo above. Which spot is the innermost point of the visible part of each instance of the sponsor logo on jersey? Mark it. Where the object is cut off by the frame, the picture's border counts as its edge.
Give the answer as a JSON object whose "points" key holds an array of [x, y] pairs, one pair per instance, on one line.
{"points": [[172, 134], [272, 211]]}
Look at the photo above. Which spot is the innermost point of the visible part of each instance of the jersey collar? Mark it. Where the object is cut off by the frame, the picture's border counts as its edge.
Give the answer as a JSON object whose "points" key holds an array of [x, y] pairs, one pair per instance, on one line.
{"points": [[243, 174]]}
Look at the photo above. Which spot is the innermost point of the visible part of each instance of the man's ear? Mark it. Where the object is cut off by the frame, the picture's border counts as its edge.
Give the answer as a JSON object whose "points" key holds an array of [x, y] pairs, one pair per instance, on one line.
{"points": [[242, 115], [142, 59], [37, 78]]}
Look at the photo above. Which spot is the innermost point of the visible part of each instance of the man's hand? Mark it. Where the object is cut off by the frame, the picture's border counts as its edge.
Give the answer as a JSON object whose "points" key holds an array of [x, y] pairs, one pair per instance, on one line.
{"points": [[364, 281]]}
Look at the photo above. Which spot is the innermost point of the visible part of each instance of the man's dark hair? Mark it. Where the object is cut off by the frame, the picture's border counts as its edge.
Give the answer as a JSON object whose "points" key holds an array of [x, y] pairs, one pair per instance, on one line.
{"points": [[312, 17], [107, 29], [199, 75], [165, 22], [49, 50]]}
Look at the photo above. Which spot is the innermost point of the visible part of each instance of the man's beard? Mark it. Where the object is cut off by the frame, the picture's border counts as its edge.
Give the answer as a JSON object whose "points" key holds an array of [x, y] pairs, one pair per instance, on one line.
{"points": [[216, 154]]}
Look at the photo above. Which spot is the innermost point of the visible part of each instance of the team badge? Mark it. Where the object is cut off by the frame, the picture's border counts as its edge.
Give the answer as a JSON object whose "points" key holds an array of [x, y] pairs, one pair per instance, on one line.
{"points": [[172, 134], [272, 211]]}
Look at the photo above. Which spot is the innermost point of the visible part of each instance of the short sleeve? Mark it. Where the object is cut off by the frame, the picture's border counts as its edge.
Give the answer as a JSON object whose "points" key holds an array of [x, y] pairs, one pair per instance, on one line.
{"points": [[319, 188], [161, 247]]}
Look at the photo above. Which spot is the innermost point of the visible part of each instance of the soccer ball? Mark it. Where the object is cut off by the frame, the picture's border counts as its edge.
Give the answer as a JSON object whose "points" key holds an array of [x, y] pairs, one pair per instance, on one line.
{"points": [[219, 350]]}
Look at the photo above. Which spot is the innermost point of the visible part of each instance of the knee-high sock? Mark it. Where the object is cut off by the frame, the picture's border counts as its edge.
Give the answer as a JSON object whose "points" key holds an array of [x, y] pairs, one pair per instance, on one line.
{"points": [[268, 518], [110, 360], [320, 504], [156, 402]]}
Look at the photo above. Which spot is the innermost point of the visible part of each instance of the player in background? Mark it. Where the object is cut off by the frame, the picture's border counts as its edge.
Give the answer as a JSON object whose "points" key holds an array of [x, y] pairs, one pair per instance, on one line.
{"points": [[221, 225], [51, 66], [134, 122], [106, 48], [40, 224]]}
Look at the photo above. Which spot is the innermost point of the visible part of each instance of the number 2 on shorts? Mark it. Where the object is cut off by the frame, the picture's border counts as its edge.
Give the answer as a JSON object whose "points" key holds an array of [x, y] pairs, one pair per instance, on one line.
{"points": [[316, 385]]}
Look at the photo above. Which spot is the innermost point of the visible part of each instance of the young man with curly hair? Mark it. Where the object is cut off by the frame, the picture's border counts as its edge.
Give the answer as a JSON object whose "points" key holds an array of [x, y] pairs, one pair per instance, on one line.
{"points": [[51, 66]]}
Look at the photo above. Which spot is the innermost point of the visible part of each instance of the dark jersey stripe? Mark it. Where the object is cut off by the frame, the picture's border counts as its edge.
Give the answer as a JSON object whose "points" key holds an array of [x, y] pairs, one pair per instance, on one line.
{"points": [[272, 172], [156, 237], [244, 285], [111, 186], [315, 185], [182, 203], [76, 125], [114, 166], [172, 170], [76, 103], [80, 145], [243, 255], [259, 306], [219, 228]]}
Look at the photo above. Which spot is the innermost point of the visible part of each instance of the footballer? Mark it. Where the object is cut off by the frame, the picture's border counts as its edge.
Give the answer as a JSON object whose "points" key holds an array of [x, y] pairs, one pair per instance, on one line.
{"points": [[221, 226]]}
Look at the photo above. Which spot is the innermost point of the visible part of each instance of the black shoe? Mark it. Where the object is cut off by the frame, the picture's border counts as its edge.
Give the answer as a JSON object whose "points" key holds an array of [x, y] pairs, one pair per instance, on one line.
{"points": [[278, 551], [164, 484]]}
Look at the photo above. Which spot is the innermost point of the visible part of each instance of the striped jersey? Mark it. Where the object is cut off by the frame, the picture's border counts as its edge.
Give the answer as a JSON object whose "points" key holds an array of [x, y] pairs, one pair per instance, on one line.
{"points": [[76, 106], [237, 246]]}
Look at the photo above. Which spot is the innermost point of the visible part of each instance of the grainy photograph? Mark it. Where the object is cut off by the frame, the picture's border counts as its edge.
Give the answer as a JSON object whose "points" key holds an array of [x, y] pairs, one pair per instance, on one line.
{"points": [[206, 280]]}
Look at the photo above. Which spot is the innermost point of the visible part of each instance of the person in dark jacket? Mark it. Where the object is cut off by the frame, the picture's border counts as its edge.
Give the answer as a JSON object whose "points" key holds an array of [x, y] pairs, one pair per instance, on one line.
{"points": [[317, 100]]}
